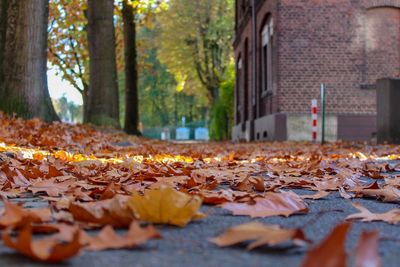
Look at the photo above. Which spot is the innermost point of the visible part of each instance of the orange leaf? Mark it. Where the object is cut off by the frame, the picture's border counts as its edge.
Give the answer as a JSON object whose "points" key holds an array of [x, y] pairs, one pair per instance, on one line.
{"points": [[46, 250], [367, 250], [331, 252], [16, 216]]}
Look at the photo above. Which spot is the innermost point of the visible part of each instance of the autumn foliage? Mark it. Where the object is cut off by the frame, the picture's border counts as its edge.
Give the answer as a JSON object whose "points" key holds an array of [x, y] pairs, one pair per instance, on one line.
{"points": [[103, 179]]}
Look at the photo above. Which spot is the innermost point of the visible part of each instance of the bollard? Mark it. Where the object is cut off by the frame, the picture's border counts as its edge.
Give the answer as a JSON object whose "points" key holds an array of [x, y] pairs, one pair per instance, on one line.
{"points": [[314, 119]]}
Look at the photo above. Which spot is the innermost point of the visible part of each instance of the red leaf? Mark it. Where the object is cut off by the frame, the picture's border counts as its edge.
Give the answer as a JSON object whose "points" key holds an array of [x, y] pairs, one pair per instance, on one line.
{"points": [[331, 252]]}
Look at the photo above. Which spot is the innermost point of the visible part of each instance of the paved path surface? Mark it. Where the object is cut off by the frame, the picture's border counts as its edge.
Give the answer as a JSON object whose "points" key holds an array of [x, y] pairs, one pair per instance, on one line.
{"points": [[189, 246]]}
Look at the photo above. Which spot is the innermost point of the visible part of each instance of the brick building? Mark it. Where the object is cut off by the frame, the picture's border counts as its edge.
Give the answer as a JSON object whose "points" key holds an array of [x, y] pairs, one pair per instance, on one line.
{"points": [[284, 50]]}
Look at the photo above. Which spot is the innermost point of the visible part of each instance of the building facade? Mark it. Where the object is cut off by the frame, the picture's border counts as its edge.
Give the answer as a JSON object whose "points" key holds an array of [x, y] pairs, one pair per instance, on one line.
{"points": [[284, 50]]}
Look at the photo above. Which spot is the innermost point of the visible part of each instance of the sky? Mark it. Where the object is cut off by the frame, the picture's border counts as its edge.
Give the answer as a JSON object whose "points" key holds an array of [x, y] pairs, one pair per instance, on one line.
{"points": [[59, 87]]}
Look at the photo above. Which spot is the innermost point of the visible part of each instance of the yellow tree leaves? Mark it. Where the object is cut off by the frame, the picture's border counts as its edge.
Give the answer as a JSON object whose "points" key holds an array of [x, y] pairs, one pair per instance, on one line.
{"points": [[259, 234], [165, 205]]}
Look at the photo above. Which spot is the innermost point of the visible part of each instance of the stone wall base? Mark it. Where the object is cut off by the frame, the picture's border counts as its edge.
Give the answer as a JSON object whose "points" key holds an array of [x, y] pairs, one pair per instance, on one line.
{"points": [[297, 127]]}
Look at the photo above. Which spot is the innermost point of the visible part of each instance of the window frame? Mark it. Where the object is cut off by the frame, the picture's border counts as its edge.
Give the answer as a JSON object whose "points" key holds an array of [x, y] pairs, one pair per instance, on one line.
{"points": [[267, 35]]}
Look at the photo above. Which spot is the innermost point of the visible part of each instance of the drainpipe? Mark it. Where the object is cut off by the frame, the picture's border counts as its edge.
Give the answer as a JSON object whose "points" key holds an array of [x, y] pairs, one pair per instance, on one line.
{"points": [[254, 85]]}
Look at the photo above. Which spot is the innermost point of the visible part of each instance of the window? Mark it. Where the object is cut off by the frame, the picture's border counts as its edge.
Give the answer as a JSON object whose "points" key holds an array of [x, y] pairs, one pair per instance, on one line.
{"points": [[238, 86], [266, 57]]}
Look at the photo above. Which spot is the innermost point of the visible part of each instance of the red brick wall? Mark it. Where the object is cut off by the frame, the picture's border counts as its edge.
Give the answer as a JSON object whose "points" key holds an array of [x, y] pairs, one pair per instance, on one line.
{"points": [[325, 41], [382, 43]]}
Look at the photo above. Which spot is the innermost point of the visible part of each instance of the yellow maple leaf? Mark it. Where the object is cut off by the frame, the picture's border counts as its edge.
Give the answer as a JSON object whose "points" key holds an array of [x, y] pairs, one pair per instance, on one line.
{"points": [[165, 205]]}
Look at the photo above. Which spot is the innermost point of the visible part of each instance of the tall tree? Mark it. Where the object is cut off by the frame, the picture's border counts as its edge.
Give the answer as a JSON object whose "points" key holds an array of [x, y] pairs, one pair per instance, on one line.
{"points": [[68, 47], [103, 104], [132, 11], [3, 27], [196, 42], [23, 56], [131, 72]]}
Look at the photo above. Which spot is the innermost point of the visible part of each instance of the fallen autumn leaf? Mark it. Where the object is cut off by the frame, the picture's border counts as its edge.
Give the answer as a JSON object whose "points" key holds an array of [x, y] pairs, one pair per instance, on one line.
{"points": [[331, 252], [108, 239], [272, 204], [47, 250], [391, 216], [367, 250], [259, 234], [165, 205]]}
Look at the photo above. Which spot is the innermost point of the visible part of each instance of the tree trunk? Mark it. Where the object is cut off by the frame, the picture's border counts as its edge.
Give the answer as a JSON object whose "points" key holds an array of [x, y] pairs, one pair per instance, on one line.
{"points": [[85, 100], [103, 102], [214, 94], [3, 27], [23, 65], [131, 74]]}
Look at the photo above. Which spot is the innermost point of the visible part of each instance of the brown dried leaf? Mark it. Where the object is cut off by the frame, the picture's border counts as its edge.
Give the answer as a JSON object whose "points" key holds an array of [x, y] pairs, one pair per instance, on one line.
{"points": [[110, 211], [386, 194], [108, 239], [16, 216], [260, 234], [272, 204], [392, 216]]}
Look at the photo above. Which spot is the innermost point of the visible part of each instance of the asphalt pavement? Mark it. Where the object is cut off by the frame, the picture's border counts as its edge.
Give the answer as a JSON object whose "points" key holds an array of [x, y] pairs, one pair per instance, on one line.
{"points": [[189, 246]]}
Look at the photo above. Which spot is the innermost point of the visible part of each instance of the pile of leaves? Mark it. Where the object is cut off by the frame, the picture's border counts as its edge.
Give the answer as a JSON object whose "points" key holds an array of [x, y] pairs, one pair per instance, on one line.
{"points": [[103, 179]]}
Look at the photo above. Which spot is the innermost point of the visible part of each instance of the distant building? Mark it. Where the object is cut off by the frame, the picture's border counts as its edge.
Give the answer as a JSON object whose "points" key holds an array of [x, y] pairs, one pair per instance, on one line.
{"points": [[298, 44]]}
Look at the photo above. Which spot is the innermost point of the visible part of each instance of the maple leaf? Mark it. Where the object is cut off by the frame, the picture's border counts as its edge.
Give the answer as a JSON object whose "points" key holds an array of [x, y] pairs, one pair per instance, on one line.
{"points": [[165, 205], [16, 216], [391, 216], [331, 252], [108, 239], [260, 234], [367, 250], [47, 250], [110, 211], [272, 204]]}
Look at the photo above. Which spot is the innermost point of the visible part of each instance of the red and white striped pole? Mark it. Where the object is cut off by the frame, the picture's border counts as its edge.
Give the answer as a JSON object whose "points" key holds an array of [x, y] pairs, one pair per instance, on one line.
{"points": [[314, 118]]}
